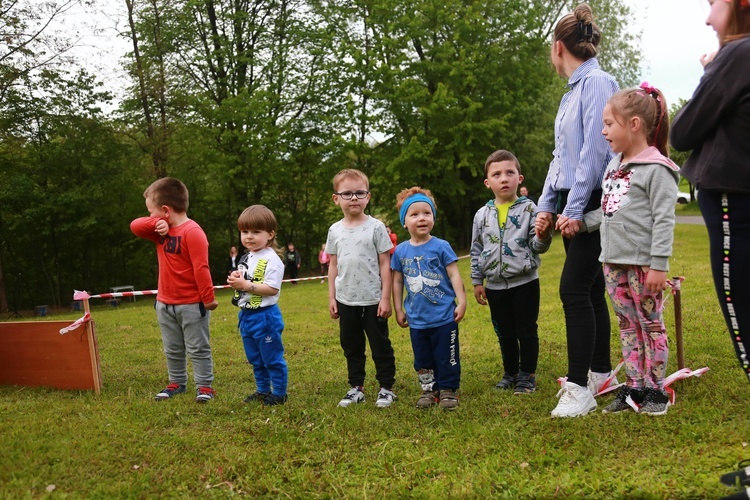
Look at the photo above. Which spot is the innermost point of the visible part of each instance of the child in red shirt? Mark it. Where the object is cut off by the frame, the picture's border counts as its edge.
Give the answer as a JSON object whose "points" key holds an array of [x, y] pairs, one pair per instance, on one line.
{"points": [[186, 293]]}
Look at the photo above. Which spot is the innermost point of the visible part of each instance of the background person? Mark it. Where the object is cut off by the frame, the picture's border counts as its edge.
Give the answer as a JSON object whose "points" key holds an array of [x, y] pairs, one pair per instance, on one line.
{"points": [[573, 187], [233, 260]]}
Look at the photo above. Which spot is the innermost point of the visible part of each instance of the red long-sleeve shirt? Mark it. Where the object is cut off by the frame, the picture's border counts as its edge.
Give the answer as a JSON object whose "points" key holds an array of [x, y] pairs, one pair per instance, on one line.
{"points": [[184, 274]]}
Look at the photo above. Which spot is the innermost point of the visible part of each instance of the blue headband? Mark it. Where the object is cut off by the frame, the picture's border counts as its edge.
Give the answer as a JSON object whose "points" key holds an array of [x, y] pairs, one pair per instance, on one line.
{"points": [[414, 199]]}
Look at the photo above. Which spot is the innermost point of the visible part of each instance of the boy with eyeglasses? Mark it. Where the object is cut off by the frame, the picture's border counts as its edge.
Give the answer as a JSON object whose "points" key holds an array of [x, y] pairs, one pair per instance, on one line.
{"points": [[359, 287]]}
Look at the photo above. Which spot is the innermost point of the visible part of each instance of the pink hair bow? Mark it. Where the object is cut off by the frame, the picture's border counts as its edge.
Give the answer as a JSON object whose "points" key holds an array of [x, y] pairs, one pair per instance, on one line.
{"points": [[648, 87]]}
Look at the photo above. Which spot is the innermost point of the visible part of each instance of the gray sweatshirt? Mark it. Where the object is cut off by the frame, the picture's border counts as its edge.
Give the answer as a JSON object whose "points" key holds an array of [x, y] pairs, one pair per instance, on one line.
{"points": [[507, 257], [638, 201]]}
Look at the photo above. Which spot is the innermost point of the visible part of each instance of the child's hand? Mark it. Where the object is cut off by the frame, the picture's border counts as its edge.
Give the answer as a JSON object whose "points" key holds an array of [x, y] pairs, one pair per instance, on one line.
{"points": [[162, 227], [236, 281], [384, 309], [480, 295], [656, 281], [211, 305], [333, 309], [459, 312], [543, 224], [401, 319]]}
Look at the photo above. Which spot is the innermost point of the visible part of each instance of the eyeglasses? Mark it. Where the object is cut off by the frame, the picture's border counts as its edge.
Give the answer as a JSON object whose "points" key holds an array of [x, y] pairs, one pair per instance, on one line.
{"points": [[347, 195]]}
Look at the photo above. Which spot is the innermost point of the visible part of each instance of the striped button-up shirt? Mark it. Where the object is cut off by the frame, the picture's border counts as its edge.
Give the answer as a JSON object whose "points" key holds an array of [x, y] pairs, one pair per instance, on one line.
{"points": [[581, 153]]}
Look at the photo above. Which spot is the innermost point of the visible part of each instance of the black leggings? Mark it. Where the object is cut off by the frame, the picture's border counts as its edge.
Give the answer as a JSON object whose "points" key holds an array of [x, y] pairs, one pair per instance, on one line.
{"points": [[583, 295], [727, 217]]}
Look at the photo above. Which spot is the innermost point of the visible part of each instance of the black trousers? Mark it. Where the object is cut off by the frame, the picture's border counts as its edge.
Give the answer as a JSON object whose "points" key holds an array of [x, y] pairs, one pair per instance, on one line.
{"points": [[514, 313], [356, 322], [727, 217], [583, 296]]}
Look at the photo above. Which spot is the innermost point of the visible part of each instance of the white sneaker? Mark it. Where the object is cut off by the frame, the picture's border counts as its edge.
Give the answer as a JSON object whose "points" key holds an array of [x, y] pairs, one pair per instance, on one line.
{"points": [[600, 382], [575, 401], [354, 395], [385, 398]]}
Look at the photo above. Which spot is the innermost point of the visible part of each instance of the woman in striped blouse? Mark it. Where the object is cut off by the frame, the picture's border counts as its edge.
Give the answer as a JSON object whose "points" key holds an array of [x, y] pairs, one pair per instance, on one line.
{"points": [[573, 188]]}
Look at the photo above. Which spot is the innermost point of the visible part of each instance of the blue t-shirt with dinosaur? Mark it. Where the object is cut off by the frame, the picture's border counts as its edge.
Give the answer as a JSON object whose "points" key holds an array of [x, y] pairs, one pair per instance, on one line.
{"points": [[430, 299]]}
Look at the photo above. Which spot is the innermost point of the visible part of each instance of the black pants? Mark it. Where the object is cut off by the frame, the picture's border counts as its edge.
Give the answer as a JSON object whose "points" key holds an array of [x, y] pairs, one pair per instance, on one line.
{"points": [[355, 322], [583, 295], [727, 219], [514, 315]]}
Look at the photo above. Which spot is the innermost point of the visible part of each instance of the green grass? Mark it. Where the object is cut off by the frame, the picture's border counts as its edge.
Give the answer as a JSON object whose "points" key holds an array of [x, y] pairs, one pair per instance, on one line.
{"points": [[123, 444]]}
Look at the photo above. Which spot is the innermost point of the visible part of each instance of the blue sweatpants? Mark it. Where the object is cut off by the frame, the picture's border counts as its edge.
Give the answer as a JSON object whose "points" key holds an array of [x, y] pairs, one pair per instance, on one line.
{"points": [[261, 336], [436, 349]]}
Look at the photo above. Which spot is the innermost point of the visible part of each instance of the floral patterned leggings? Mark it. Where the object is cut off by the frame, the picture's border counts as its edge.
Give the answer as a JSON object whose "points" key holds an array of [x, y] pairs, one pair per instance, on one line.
{"points": [[642, 332]]}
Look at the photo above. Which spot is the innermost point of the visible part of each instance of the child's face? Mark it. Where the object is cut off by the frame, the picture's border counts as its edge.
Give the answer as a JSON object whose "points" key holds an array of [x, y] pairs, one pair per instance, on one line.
{"points": [[157, 211], [355, 205], [256, 239], [718, 17], [419, 219], [503, 179], [615, 131]]}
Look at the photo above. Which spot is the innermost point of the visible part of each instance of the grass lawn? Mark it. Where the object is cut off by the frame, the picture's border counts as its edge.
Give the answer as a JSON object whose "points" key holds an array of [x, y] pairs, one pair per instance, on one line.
{"points": [[122, 443]]}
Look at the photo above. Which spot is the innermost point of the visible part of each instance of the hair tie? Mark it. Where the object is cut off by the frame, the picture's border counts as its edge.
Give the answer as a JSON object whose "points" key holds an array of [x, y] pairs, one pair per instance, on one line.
{"points": [[652, 91], [414, 199], [585, 32]]}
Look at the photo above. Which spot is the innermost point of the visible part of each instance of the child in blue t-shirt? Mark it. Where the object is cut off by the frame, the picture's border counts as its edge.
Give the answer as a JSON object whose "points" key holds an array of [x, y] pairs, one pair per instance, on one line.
{"points": [[427, 266]]}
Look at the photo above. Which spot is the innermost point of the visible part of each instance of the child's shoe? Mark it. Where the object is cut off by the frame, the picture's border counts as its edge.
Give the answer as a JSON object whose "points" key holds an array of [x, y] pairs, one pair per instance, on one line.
{"points": [[256, 396], [507, 382], [575, 401], [620, 402], [655, 402], [525, 383], [354, 395], [740, 477], [600, 381], [427, 399], [271, 400], [170, 391], [448, 399], [204, 395], [385, 398]]}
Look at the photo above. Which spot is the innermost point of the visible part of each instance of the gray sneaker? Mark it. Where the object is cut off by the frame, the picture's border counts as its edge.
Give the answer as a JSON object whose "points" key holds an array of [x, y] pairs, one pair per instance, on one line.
{"points": [[353, 396], [385, 398], [428, 399], [619, 403], [448, 399]]}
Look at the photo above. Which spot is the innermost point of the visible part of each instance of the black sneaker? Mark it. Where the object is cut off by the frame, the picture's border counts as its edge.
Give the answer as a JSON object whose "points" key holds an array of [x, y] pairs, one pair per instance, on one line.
{"points": [[170, 391], [525, 383], [271, 400], [655, 402], [256, 396], [620, 402], [507, 382], [740, 477]]}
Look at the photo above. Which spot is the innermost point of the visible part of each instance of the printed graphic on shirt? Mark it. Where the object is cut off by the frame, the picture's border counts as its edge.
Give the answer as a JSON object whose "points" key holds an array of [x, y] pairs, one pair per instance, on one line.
{"points": [[421, 280], [171, 244], [616, 187]]}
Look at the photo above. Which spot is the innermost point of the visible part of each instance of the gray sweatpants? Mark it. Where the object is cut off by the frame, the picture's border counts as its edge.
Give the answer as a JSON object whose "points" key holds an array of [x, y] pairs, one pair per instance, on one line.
{"points": [[184, 330]]}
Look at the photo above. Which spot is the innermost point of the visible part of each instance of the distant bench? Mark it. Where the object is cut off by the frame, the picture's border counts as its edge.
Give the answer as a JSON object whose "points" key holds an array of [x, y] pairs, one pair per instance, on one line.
{"points": [[123, 288]]}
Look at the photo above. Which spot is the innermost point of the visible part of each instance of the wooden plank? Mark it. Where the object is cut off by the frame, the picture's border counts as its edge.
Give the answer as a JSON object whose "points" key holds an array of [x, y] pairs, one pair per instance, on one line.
{"points": [[33, 353]]}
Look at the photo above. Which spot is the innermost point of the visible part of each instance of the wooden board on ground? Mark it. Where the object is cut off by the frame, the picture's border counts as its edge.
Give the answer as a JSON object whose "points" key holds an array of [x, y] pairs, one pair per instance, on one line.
{"points": [[33, 353]]}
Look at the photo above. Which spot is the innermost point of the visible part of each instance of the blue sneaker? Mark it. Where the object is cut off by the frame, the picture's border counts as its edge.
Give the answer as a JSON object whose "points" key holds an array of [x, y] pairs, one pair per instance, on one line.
{"points": [[204, 395], [170, 391]]}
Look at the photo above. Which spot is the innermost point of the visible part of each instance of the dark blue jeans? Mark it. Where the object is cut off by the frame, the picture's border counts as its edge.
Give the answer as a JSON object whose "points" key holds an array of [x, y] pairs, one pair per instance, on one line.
{"points": [[727, 217]]}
